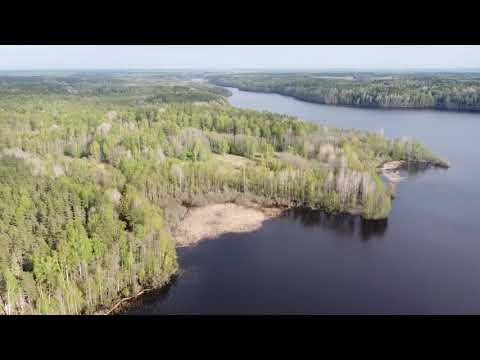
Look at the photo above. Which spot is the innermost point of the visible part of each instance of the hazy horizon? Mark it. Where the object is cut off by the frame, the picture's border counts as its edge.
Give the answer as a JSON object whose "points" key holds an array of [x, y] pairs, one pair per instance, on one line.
{"points": [[72, 71], [240, 57]]}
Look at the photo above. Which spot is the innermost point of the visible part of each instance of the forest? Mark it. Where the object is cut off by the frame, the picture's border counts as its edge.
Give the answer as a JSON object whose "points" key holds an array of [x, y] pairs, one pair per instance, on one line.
{"points": [[449, 91], [96, 170]]}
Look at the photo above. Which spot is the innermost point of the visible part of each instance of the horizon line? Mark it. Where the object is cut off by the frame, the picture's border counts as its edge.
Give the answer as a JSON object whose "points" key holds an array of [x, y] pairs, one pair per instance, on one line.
{"points": [[240, 68]]}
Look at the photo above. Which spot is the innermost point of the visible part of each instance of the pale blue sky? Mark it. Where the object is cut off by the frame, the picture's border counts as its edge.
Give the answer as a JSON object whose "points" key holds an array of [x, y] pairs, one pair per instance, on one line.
{"points": [[18, 57]]}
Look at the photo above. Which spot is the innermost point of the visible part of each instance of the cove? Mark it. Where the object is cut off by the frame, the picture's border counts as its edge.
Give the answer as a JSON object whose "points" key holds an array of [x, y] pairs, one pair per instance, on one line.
{"points": [[424, 259]]}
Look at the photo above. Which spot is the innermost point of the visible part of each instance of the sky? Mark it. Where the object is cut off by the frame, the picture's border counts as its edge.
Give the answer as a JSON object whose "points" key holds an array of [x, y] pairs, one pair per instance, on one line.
{"points": [[24, 57]]}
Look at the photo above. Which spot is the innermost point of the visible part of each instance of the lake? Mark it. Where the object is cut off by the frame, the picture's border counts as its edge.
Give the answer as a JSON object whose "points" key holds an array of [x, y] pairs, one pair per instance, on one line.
{"points": [[424, 259]]}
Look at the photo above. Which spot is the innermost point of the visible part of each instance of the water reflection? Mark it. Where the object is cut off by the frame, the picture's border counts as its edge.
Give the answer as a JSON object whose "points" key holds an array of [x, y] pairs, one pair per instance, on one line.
{"points": [[342, 224], [413, 168], [417, 168], [373, 228]]}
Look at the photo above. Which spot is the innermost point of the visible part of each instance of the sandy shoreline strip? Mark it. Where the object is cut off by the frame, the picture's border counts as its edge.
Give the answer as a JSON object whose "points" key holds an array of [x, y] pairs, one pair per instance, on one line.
{"points": [[213, 220], [390, 170], [393, 165]]}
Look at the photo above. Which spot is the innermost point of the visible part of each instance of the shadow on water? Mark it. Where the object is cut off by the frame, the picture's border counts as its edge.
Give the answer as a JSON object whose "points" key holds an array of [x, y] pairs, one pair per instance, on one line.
{"points": [[344, 224], [220, 276], [417, 168], [373, 228]]}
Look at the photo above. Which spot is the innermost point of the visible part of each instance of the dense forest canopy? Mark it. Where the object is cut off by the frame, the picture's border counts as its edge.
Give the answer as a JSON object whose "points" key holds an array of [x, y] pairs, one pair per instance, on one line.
{"points": [[97, 169], [443, 91]]}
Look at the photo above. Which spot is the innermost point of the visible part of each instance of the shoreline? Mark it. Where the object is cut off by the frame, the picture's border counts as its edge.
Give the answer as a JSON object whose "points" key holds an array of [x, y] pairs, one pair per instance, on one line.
{"points": [[244, 222], [210, 221], [204, 223], [390, 169]]}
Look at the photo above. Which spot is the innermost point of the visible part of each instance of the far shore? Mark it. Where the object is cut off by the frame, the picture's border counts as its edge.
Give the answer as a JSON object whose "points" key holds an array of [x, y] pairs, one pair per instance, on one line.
{"points": [[367, 107]]}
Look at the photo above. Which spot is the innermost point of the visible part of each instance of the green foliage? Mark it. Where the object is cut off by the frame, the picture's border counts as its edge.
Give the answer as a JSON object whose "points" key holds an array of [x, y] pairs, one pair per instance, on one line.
{"points": [[91, 167], [78, 243]]}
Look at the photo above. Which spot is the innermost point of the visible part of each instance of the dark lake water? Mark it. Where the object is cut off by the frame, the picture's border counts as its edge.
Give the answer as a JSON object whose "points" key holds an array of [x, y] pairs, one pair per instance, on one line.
{"points": [[425, 259]]}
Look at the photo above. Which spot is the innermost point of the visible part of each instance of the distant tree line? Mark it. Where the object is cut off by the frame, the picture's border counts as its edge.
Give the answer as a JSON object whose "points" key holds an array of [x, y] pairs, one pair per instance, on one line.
{"points": [[459, 92]]}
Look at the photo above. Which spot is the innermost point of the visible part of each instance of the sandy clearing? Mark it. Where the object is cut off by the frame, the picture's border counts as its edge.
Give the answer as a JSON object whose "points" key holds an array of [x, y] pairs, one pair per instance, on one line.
{"points": [[393, 177], [213, 220], [393, 165], [235, 160]]}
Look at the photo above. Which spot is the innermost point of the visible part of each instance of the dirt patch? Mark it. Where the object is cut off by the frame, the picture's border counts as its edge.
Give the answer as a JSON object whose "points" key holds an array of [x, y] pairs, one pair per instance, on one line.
{"points": [[213, 220], [234, 160]]}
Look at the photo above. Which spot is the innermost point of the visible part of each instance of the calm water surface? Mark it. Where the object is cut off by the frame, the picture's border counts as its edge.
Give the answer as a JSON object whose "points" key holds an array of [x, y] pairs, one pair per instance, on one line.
{"points": [[425, 259]]}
